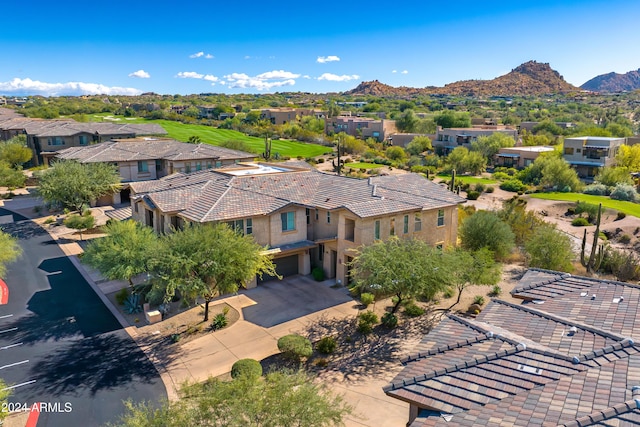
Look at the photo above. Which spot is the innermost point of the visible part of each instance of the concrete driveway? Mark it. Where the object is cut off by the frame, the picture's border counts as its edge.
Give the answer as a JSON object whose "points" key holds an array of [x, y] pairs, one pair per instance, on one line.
{"points": [[279, 301]]}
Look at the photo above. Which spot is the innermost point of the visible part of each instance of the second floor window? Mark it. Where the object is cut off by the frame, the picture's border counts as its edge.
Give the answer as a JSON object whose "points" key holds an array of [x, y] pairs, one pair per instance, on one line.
{"points": [[288, 221], [376, 230], [392, 227], [440, 217], [198, 166], [143, 167], [418, 223], [239, 226], [405, 224], [56, 140], [328, 217], [187, 167], [83, 140]]}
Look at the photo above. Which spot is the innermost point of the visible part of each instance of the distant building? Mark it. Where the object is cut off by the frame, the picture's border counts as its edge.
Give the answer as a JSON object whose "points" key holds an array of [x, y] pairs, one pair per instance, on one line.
{"points": [[403, 139], [280, 116], [361, 127], [520, 157], [449, 138], [587, 154]]}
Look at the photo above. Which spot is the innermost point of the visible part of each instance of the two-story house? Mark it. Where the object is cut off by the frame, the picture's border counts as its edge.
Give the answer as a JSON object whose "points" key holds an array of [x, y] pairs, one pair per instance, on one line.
{"points": [[587, 154], [361, 127], [304, 217], [449, 138], [143, 159], [282, 115]]}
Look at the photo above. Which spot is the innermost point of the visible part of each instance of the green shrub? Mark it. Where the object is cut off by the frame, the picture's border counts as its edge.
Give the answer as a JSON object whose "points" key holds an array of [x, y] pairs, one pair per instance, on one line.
{"points": [[580, 222], [448, 293], [472, 195], [219, 321], [489, 189], [326, 345], [501, 176], [480, 187], [367, 299], [193, 329], [596, 190], [321, 362], [589, 208], [122, 296], [389, 320], [295, 346], [369, 317], [247, 368], [622, 264], [513, 185], [620, 215], [364, 328], [49, 220], [495, 291], [413, 310], [624, 192], [625, 238], [478, 299], [318, 274]]}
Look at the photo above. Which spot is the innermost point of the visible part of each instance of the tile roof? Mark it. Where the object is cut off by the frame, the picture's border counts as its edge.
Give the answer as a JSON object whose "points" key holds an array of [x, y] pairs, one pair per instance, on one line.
{"points": [[253, 195], [121, 150], [67, 127], [568, 359]]}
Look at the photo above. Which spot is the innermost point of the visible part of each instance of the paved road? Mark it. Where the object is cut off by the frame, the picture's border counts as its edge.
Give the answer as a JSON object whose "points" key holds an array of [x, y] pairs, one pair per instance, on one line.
{"points": [[60, 344]]}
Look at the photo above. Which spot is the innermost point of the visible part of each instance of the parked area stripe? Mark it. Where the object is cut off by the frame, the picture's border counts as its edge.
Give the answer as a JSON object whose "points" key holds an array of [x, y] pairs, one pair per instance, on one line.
{"points": [[8, 330], [14, 364], [10, 346], [19, 385], [5, 316]]}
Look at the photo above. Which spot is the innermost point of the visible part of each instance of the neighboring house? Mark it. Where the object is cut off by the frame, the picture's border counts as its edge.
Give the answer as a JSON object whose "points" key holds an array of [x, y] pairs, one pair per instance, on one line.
{"points": [[528, 126], [143, 159], [449, 138], [520, 157], [46, 137], [587, 154], [306, 218], [361, 127], [280, 116], [567, 358]]}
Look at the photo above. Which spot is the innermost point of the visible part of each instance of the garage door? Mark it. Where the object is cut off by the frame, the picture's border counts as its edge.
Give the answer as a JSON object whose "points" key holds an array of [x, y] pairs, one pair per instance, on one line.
{"points": [[285, 266]]}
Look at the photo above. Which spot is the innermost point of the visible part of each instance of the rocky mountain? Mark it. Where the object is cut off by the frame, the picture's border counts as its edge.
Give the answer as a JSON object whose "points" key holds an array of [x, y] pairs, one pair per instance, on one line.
{"points": [[614, 82], [530, 78]]}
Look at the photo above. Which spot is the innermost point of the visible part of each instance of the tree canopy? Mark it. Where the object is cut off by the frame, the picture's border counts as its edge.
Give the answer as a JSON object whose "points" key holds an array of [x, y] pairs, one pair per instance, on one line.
{"points": [[419, 145], [489, 146], [15, 151], [485, 229], [74, 185], [279, 399], [9, 251], [550, 249]]}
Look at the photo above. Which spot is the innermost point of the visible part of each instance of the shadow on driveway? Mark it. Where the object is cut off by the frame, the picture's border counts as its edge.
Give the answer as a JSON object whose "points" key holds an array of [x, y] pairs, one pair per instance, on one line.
{"points": [[279, 301]]}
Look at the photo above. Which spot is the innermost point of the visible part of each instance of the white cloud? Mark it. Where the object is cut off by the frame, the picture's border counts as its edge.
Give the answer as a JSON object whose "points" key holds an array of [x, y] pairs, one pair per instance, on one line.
{"points": [[189, 75], [264, 81], [330, 58], [141, 74], [35, 87], [405, 72], [210, 78], [306, 76], [336, 78], [394, 71], [201, 54], [247, 57]]}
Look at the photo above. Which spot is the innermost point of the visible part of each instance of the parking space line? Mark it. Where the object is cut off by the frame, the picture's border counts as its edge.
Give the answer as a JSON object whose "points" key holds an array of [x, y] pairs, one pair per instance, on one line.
{"points": [[14, 364], [8, 330], [18, 385], [5, 316], [10, 346]]}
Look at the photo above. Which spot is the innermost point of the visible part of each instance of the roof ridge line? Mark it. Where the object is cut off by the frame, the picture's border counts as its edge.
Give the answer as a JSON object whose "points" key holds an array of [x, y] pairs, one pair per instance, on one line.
{"points": [[625, 343], [463, 365], [443, 348], [209, 182], [538, 284], [604, 414], [563, 320]]}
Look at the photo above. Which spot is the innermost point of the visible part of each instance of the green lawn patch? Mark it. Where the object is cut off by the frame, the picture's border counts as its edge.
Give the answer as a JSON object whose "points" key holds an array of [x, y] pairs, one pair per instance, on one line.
{"points": [[629, 208], [469, 179], [214, 136], [362, 165]]}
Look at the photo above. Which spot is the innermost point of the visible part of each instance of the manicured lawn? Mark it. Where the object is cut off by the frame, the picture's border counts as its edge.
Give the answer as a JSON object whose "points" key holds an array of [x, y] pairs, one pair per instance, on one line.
{"points": [[627, 207], [469, 179], [359, 165], [210, 135]]}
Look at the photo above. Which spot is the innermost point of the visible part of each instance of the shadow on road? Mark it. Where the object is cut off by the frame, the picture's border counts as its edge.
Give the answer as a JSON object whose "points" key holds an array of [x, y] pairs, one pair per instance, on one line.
{"points": [[93, 364], [23, 230]]}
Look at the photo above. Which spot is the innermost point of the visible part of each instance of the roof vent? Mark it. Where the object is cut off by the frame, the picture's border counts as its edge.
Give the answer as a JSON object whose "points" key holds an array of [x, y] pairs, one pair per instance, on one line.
{"points": [[572, 331], [593, 296], [618, 300], [530, 369]]}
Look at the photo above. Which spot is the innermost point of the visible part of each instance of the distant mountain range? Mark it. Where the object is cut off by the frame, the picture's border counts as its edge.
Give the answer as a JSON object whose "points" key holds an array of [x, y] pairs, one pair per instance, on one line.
{"points": [[530, 78], [614, 82]]}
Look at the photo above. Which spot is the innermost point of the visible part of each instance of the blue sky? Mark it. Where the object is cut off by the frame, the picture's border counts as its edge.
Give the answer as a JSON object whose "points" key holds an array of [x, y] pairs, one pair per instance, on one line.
{"points": [[183, 47]]}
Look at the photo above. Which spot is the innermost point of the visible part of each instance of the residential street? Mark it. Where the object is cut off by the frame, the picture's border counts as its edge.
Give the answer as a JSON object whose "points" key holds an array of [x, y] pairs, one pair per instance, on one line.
{"points": [[59, 344]]}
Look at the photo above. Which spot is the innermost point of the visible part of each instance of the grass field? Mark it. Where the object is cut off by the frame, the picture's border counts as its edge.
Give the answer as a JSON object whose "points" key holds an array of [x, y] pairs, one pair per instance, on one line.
{"points": [[359, 165], [629, 208], [210, 135], [469, 179]]}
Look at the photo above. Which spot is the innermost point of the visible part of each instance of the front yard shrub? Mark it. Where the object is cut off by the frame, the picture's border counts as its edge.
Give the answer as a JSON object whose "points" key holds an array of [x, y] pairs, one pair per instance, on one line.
{"points": [[132, 304], [413, 310], [369, 317], [364, 328], [367, 299], [513, 185], [580, 222], [590, 209], [219, 321], [122, 296], [472, 195], [478, 299], [625, 238], [327, 345], [489, 189], [622, 264], [624, 192], [247, 368], [389, 320], [295, 347], [495, 291], [480, 187], [620, 215], [193, 329], [596, 190], [318, 274], [500, 176]]}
